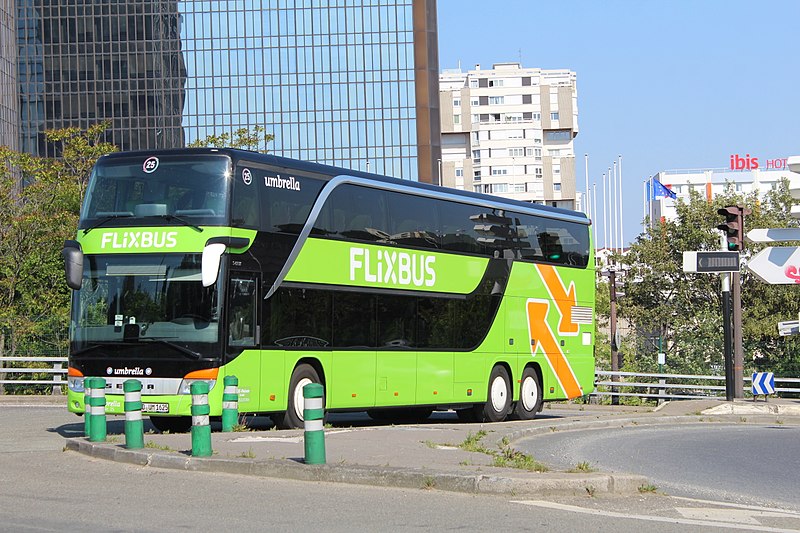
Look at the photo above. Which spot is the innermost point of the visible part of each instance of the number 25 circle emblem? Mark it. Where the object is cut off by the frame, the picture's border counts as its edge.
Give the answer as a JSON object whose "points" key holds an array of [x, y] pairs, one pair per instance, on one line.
{"points": [[150, 165], [247, 177]]}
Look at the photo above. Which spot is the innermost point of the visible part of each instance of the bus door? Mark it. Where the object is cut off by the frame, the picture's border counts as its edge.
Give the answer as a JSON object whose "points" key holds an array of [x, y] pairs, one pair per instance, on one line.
{"points": [[396, 375], [243, 337]]}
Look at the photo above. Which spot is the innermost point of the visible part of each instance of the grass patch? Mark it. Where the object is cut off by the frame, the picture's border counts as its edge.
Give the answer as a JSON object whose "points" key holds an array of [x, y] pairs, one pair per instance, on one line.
{"points": [[248, 454], [511, 458], [648, 489], [582, 468], [473, 442], [505, 457], [152, 445], [428, 483]]}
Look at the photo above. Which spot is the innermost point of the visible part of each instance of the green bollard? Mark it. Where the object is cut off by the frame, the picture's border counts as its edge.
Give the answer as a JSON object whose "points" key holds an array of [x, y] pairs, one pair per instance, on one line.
{"points": [[134, 427], [87, 411], [97, 401], [313, 415], [201, 428], [230, 403]]}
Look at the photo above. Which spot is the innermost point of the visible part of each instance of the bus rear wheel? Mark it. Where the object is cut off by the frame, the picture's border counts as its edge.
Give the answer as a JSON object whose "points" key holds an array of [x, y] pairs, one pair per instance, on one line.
{"points": [[498, 399], [172, 424], [530, 395], [303, 375]]}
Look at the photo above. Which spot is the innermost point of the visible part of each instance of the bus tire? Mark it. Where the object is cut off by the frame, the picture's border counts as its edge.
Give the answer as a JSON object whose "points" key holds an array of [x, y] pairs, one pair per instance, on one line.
{"points": [[303, 375], [498, 398], [530, 395], [172, 424]]}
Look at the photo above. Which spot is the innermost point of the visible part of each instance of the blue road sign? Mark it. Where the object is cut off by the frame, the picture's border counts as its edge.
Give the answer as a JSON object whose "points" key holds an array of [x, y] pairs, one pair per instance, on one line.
{"points": [[763, 383]]}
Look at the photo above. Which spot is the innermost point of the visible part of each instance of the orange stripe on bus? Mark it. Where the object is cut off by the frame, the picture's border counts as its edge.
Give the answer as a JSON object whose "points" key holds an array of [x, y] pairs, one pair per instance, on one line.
{"points": [[565, 298], [544, 337]]}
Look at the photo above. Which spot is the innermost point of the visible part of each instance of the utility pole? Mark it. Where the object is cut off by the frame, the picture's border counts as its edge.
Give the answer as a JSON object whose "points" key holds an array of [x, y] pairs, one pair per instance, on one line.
{"points": [[615, 366]]}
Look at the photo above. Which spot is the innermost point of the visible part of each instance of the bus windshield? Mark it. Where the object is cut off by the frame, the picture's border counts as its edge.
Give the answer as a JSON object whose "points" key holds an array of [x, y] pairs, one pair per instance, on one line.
{"points": [[192, 188], [146, 298]]}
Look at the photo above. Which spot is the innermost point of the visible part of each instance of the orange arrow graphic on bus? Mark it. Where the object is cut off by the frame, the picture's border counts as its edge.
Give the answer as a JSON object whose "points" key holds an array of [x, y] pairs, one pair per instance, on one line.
{"points": [[565, 298], [544, 340]]}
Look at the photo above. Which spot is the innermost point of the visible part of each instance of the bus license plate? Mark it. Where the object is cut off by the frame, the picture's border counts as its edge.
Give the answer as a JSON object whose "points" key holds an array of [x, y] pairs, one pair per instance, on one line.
{"points": [[155, 408]]}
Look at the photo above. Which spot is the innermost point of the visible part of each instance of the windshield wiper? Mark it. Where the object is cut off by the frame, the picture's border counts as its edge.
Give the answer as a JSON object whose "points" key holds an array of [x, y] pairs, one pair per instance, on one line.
{"points": [[181, 349], [108, 217], [183, 221]]}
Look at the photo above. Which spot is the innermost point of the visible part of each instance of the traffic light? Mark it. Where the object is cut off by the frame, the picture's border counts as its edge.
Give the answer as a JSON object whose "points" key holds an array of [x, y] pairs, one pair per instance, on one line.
{"points": [[733, 228]]}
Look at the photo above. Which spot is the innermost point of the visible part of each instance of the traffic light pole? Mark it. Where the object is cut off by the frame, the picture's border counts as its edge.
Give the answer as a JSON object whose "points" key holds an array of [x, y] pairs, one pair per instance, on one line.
{"points": [[738, 350], [726, 332]]}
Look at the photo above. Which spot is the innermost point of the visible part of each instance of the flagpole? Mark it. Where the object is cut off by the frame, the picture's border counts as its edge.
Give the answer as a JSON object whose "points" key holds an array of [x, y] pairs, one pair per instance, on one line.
{"points": [[594, 210], [605, 212], [621, 209], [586, 208]]}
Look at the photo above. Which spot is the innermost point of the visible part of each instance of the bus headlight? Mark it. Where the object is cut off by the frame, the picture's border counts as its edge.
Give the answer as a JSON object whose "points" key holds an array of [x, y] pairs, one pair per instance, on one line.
{"points": [[186, 385], [75, 383]]}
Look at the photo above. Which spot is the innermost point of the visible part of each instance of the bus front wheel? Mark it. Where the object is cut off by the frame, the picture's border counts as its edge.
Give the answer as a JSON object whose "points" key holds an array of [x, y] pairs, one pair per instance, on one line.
{"points": [[303, 375], [498, 400]]}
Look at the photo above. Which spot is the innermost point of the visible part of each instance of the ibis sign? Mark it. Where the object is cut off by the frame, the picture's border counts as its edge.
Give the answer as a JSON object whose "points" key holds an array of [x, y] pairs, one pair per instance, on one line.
{"points": [[777, 265]]}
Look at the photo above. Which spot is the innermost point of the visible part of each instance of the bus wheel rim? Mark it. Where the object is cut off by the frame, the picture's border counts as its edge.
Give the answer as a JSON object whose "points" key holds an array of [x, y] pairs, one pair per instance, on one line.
{"points": [[299, 401], [498, 394], [529, 393]]}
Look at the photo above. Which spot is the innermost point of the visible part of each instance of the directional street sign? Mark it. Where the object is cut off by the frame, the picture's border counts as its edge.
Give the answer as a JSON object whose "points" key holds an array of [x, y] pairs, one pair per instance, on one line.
{"points": [[763, 383], [776, 265], [711, 262], [774, 235]]}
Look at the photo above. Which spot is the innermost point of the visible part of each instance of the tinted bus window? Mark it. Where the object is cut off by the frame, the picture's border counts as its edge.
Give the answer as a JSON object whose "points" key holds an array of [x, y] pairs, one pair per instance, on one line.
{"points": [[413, 220], [298, 317], [553, 241], [354, 322], [355, 212], [458, 229], [273, 201]]}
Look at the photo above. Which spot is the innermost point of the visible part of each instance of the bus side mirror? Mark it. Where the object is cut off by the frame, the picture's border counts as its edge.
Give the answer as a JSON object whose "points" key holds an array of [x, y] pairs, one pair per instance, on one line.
{"points": [[212, 256], [73, 264]]}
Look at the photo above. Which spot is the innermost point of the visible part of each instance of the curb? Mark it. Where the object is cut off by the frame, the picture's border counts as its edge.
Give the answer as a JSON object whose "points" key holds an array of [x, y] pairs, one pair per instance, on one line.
{"points": [[523, 484]]}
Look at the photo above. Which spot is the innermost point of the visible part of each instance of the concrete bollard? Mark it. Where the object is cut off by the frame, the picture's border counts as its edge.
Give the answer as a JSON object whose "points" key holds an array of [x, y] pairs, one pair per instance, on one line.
{"points": [[201, 428], [230, 403], [97, 401], [313, 415], [87, 409], [134, 427]]}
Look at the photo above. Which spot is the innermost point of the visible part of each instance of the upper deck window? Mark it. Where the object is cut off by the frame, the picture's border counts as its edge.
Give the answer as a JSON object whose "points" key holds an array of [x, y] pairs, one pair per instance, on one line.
{"points": [[192, 187]]}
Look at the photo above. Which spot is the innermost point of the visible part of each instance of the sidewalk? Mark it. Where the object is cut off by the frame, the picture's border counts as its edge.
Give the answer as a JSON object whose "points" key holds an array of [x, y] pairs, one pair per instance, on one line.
{"points": [[429, 455]]}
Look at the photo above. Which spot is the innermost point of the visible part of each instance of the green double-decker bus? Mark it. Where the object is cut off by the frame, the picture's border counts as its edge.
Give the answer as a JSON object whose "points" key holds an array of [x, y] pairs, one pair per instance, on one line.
{"points": [[399, 297]]}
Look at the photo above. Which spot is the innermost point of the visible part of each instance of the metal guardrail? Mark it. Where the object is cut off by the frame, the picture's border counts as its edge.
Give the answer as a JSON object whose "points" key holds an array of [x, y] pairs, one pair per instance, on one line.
{"points": [[675, 386], [58, 371]]}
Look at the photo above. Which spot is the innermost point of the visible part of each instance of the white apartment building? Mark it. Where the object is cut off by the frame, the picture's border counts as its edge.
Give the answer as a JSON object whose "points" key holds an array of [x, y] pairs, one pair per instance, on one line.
{"points": [[509, 131], [711, 182]]}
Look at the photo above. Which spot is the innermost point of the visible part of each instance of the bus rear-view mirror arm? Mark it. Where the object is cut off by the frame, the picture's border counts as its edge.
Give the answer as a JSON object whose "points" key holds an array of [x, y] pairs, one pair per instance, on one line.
{"points": [[212, 255]]}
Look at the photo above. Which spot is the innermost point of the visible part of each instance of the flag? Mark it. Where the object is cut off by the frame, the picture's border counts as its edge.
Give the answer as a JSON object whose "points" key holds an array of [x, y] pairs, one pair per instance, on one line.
{"points": [[660, 191]]}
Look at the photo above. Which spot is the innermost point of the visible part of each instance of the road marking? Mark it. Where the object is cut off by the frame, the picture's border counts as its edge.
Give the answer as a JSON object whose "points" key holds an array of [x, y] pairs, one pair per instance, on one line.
{"points": [[785, 512], [665, 519], [741, 516]]}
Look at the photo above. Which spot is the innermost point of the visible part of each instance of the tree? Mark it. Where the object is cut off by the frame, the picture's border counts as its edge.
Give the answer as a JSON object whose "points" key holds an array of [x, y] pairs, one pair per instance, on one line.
{"points": [[683, 310], [242, 138], [39, 205]]}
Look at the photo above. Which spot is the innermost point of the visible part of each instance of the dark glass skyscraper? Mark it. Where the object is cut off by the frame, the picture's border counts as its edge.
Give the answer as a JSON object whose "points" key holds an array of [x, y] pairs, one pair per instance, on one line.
{"points": [[9, 120], [334, 80]]}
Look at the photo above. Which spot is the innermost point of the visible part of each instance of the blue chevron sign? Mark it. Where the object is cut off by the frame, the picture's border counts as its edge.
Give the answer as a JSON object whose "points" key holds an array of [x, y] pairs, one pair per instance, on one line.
{"points": [[763, 383]]}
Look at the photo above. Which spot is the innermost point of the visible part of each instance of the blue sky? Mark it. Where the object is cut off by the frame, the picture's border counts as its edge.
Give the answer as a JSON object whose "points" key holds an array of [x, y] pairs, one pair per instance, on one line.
{"points": [[666, 84]]}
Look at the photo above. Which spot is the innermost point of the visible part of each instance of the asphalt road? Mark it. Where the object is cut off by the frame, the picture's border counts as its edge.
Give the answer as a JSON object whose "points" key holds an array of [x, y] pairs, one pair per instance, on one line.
{"points": [[43, 488], [751, 464]]}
